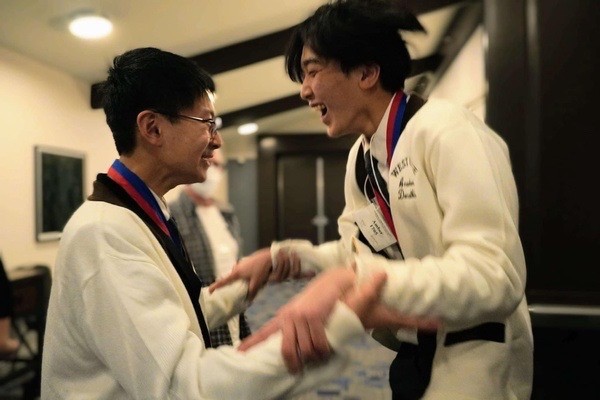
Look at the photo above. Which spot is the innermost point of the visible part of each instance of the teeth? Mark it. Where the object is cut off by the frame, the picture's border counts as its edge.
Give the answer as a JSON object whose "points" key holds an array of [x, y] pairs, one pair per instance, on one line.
{"points": [[320, 108]]}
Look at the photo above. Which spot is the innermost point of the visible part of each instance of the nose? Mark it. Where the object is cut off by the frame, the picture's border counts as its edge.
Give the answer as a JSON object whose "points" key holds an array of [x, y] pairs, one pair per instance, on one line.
{"points": [[305, 91], [217, 141]]}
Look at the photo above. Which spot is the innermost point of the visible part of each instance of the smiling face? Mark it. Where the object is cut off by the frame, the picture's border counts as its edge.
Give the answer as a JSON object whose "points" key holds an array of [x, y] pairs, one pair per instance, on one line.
{"points": [[188, 148], [338, 97], [181, 147]]}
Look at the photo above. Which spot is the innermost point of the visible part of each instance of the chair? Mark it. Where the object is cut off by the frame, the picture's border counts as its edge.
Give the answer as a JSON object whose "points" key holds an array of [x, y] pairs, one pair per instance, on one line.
{"points": [[31, 291]]}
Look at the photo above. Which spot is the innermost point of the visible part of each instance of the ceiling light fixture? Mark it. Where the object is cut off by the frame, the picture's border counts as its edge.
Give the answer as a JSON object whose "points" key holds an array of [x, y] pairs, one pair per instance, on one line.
{"points": [[90, 26], [247, 129]]}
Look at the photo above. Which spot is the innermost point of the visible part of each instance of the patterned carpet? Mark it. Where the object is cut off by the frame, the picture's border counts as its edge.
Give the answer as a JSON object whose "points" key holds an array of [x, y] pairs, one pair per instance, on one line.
{"points": [[367, 376]]}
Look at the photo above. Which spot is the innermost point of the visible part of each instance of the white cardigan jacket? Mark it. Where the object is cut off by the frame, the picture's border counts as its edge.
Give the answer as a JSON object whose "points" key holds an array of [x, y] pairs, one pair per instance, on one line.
{"points": [[455, 209], [121, 325]]}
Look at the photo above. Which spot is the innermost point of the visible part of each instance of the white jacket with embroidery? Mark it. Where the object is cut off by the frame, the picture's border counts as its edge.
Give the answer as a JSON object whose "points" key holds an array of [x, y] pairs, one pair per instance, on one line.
{"points": [[454, 206]]}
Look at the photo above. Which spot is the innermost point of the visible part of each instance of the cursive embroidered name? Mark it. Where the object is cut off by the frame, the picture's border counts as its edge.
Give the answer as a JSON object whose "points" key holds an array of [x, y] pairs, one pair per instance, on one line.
{"points": [[406, 194], [406, 183], [406, 189]]}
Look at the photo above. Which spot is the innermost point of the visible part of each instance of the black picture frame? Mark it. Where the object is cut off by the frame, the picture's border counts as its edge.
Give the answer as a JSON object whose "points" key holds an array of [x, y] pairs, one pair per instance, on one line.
{"points": [[59, 189]]}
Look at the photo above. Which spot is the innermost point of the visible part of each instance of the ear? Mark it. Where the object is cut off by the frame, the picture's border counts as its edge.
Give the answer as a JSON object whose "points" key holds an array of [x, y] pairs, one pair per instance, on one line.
{"points": [[369, 76], [148, 124]]}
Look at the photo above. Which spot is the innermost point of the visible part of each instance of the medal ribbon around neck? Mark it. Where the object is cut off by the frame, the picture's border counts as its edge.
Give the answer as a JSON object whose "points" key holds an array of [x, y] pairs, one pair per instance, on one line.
{"points": [[394, 124], [394, 129], [138, 190]]}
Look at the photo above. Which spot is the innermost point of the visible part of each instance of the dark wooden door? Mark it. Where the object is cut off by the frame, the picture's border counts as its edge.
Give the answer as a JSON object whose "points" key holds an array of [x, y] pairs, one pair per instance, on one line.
{"points": [[310, 195], [301, 186]]}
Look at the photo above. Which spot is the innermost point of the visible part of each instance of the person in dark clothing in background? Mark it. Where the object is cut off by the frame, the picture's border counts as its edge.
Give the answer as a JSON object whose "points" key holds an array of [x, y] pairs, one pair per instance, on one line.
{"points": [[8, 345]]}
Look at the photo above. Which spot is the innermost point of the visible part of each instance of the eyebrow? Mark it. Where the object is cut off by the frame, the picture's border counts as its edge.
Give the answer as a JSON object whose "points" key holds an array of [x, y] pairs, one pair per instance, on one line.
{"points": [[309, 61], [210, 112]]}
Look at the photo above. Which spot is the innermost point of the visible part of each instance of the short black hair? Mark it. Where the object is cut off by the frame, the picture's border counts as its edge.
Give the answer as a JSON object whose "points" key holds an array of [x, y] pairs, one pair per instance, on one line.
{"points": [[149, 79], [356, 32]]}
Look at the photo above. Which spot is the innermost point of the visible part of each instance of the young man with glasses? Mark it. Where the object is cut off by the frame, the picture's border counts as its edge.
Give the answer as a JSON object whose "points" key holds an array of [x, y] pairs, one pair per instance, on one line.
{"points": [[128, 317]]}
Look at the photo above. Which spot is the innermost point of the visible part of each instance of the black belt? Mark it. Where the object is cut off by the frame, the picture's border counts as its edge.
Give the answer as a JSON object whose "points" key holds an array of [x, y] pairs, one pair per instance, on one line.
{"points": [[490, 331]]}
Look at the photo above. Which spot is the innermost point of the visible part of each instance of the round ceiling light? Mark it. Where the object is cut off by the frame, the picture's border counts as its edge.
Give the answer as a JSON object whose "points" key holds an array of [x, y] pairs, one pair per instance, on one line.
{"points": [[90, 27]]}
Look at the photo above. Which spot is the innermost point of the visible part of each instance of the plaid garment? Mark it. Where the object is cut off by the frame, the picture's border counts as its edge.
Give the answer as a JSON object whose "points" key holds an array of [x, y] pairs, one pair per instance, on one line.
{"points": [[183, 210]]}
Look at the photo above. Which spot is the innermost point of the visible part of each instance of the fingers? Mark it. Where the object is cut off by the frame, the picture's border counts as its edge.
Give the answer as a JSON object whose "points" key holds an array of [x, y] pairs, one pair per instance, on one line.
{"points": [[259, 336], [292, 357], [287, 265], [226, 280], [365, 302], [360, 299], [282, 267], [422, 323], [319, 349], [295, 267]]}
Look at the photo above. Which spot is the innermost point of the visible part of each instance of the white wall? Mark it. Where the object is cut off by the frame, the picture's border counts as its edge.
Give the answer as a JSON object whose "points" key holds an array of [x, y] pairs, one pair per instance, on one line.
{"points": [[41, 106]]}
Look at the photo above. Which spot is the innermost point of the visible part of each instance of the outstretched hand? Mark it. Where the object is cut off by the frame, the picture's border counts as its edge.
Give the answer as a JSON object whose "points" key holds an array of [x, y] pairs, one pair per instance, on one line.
{"points": [[302, 321], [257, 269]]}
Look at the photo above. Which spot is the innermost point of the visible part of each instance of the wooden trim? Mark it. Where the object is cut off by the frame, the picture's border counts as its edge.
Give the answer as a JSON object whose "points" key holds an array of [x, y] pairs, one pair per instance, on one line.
{"points": [[262, 110], [273, 45]]}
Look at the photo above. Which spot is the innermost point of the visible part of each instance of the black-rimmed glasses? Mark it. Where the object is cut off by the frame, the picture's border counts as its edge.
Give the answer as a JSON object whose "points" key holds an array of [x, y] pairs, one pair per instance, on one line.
{"points": [[213, 123]]}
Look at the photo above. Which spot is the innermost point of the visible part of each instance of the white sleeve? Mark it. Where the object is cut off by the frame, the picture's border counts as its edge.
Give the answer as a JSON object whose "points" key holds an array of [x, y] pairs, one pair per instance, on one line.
{"points": [[260, 373], [312, 258], [224, 303]]}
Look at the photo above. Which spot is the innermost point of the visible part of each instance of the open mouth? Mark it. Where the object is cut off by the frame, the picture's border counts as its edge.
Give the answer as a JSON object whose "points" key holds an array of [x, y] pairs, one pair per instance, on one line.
{"points": [[320, 108]]}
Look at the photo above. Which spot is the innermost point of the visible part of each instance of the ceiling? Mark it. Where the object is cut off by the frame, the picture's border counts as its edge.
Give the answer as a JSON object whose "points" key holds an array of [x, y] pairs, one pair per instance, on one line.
{"points": [[240, 42]]}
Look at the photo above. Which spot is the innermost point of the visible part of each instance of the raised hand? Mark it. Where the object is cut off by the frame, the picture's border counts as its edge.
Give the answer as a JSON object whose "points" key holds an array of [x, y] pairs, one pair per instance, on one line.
{"points": [[302, 321], [255, 269], [287, 265]]}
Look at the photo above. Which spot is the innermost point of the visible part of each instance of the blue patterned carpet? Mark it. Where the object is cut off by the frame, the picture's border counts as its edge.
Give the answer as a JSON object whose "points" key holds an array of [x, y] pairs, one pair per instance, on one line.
{"points": [[367, 376]]}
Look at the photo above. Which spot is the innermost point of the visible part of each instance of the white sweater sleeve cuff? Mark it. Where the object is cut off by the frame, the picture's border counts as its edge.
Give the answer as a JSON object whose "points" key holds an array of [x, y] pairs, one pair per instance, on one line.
{"points": [[225, 302]]}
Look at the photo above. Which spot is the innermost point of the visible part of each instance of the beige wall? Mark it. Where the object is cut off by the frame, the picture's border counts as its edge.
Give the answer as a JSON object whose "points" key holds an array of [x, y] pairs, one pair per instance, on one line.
{"points": [[40, 106]]}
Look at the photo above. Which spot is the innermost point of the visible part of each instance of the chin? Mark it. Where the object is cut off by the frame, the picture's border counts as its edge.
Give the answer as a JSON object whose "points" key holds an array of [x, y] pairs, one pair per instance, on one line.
{"points": [[332, 133], [201, 177]]}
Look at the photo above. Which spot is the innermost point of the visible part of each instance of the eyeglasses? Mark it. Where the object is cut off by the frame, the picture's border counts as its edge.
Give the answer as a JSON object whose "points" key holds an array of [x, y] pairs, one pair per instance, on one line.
{"points": [[213, 124]]}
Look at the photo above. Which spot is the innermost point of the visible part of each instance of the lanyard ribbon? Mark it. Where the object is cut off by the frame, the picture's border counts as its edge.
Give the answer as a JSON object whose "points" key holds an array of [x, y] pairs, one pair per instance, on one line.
{"points": [[378, 184], [137, 189]]}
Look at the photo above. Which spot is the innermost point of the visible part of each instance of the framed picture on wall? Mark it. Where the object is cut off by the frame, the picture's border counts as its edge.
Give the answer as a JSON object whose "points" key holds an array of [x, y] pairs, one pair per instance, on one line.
{"points": [[59, 189]]}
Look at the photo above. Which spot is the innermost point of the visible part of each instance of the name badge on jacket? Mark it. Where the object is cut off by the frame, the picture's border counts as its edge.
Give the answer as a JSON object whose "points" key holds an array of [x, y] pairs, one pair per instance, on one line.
{"points": [[372, 224]]}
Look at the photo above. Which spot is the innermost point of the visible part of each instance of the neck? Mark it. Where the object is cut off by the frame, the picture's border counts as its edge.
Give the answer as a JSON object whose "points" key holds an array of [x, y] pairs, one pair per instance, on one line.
{"points": [[378, 104], [150, 174]]}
